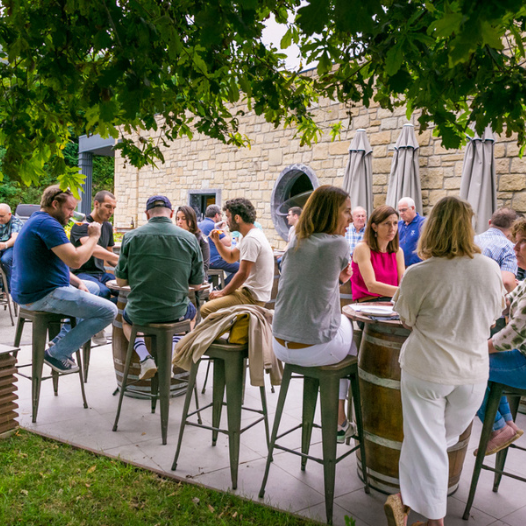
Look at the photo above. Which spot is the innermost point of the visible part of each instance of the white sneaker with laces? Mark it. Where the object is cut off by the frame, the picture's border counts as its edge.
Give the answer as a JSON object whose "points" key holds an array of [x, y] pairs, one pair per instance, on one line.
{"points": [[148, 368]]}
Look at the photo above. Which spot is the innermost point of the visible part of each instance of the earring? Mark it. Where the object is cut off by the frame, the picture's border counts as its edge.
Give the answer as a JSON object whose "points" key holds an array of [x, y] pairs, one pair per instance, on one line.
{"points": [[376, 234]]}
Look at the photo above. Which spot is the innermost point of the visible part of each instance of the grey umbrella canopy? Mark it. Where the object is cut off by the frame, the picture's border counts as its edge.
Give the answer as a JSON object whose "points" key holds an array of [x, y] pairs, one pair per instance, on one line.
{"points": [[358, 178], [404, 180], [477, 185]]}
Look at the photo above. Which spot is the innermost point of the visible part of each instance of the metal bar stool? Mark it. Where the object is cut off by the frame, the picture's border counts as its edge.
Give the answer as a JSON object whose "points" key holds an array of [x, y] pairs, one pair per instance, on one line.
{"points": [[44, 323], [217, 276], [495, 394], [327, 379], [229, 371], [162, 336], [6, 301]]}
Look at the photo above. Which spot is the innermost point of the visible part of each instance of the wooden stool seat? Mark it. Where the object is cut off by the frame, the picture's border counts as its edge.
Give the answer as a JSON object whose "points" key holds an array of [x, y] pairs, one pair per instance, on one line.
{"points": [[326, 379], [46, 325], [496, 390], [162, 343], [229, 373]]}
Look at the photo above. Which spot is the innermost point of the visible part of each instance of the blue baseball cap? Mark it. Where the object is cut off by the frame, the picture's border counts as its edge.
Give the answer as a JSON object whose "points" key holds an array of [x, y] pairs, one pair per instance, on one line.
{"points": [[158, 201]]}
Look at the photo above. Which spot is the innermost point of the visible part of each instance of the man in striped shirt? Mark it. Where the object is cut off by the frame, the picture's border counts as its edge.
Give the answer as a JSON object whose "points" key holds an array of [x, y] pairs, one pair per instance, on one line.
{"points": [[354, 233]]}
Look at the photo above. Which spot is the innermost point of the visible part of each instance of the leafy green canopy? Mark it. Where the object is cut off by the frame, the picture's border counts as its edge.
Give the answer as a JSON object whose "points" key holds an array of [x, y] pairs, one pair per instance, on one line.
{"points": [[93, 66], [459, 62]]}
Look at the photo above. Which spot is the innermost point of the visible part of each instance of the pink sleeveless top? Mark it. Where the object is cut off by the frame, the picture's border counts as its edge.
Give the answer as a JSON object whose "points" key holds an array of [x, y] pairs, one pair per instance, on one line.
{"points": [[385, 271]]}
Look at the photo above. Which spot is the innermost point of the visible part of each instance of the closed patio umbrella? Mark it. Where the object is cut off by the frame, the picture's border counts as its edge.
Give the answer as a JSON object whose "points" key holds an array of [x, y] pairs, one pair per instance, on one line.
{"points": [[404, 179], [359, 172], [477, 185]]}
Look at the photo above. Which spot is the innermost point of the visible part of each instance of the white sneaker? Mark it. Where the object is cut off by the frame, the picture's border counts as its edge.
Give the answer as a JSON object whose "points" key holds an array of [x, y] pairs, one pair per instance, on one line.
{"points": [[148, 368], [99, 338]]}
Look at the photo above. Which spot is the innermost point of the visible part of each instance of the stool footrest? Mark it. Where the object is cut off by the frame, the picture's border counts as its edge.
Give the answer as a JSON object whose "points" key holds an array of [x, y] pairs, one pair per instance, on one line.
{"points": [[505, 473]]}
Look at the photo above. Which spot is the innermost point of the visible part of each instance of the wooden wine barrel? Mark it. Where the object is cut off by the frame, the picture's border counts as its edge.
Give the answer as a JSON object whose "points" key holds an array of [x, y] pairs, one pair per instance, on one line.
{"points": [[120, 347], [379, 375]]}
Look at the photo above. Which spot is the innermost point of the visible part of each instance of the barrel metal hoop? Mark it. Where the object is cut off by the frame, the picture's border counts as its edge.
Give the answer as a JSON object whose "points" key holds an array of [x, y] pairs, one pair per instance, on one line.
{"points": [[376, 380], [345, 296], [382, 441], [458, 446], [379, 476], [381, 343], [117, 324]]}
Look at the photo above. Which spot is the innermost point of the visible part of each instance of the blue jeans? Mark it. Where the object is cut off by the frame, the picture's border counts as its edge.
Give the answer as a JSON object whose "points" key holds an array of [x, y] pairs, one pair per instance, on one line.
{"points": [[92, 313], [101, 280], [6, 260], [508, 368], [232, 268]]}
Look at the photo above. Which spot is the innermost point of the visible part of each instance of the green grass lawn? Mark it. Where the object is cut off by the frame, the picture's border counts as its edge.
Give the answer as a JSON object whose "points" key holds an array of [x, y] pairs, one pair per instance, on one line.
{"points": [[43, 482]]}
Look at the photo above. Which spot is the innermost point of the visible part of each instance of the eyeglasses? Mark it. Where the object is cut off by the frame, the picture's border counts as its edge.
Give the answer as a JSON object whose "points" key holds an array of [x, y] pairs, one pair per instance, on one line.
{"points": [[402, 210]]}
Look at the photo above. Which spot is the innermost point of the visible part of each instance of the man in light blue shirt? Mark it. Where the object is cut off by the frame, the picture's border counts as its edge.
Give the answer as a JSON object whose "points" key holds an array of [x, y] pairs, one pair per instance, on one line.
{"points": [[495, 244], [409, 228]]}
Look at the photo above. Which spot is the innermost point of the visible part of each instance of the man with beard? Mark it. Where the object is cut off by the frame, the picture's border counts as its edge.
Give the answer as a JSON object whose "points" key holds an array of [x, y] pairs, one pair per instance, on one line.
{"points": [[104, 204], [42, 280], [252, 284]]}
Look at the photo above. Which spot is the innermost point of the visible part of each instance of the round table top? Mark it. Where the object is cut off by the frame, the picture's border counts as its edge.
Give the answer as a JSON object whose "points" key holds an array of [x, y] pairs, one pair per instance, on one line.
{"points": [[359, 316], [112, 284]]}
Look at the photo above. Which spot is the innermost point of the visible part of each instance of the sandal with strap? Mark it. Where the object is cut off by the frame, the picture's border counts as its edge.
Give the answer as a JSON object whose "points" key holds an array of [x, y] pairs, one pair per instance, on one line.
{"points": [[395, 511]]}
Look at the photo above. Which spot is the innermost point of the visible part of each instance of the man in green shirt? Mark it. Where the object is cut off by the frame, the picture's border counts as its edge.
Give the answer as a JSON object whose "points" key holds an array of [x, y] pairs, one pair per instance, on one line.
{"points": [[159, 261]]}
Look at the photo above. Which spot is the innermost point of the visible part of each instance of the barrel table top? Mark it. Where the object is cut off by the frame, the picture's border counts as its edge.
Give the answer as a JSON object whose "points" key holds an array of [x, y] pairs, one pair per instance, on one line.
{"points": [[359, 316], [112, 284]]}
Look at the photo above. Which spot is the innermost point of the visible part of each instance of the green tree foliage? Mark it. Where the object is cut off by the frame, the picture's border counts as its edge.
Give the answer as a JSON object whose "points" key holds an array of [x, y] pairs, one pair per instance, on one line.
{"points": [[94, 66], [460, 62], [13, 192]]}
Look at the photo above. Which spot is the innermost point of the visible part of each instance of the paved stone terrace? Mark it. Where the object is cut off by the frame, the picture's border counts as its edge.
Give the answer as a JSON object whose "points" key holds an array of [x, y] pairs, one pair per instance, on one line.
{"points": [[139, 440]]}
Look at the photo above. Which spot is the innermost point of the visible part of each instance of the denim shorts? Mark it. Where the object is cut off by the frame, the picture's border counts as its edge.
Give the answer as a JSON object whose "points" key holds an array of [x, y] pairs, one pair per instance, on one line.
{"points": [[190, 315]]}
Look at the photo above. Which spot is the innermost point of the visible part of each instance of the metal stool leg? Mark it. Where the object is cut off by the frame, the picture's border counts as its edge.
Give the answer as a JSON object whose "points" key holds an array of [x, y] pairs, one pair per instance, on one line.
{"points": [[206, 376], [489, 419], [357, 404], [234, 375], [285, 381], [187, 400], [129, 355], [310, 398], [39, 344], [86, 355], [329, 388], [218, 395], [81, 377], [164, 364]]}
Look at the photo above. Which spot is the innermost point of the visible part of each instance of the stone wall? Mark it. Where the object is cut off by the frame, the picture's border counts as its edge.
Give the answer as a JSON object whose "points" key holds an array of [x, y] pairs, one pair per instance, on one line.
{"points": [[205, 163]]}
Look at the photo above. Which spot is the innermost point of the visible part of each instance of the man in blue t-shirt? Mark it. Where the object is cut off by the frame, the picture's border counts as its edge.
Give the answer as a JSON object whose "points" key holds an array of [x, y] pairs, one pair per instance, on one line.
{"points": [[409, 228], [42, 281], [213, 216]]}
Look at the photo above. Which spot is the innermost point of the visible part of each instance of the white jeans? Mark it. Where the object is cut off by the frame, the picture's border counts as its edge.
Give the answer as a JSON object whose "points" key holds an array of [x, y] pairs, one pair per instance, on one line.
{"points": [[435, 415], [323, 353]]}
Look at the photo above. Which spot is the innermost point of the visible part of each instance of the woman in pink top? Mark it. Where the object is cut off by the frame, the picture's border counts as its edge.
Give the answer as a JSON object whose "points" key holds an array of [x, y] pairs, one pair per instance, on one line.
{"points": [[378, 261]]}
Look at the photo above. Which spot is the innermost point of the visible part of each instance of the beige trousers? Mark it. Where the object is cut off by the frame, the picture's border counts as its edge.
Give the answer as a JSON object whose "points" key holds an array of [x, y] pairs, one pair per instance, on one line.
{"points": [[241, 296]]}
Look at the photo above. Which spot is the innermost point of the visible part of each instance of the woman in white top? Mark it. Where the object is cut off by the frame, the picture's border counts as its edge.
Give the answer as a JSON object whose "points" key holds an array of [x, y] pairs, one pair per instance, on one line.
{"points": [[449, 301]]}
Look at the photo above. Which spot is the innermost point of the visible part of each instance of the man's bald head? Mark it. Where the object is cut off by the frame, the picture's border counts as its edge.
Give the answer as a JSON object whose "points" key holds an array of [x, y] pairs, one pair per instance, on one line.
{"points": [[5, 213]]}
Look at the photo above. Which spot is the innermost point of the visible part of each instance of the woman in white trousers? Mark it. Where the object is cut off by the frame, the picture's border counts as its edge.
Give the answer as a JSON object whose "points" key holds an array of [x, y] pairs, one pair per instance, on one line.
{"points": [[449, 301]]}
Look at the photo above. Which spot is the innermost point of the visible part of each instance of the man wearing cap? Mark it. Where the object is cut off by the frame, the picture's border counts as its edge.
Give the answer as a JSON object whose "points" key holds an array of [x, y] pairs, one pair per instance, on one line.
{"points": [[159, 261], [10, 226]]}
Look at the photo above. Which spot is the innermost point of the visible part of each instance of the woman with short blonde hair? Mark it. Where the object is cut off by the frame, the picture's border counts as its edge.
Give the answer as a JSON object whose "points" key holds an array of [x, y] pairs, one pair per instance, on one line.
{"points": [[449, 301]]}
